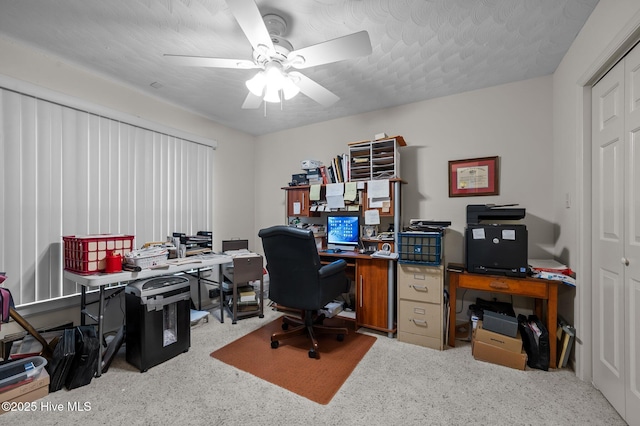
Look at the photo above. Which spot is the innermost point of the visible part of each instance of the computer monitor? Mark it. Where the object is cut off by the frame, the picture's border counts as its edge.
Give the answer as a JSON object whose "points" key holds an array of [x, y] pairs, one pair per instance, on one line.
{"points": [[343, 231]]}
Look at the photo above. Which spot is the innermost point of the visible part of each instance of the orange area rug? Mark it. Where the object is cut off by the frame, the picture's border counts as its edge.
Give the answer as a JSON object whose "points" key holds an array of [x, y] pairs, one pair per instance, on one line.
{"points": [[290, 367]]}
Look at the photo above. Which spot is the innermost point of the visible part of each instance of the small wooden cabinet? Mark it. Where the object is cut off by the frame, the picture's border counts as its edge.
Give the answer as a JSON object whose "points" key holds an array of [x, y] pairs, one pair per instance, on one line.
{"points": [[420, 305], [298, 204], [372, 294]]}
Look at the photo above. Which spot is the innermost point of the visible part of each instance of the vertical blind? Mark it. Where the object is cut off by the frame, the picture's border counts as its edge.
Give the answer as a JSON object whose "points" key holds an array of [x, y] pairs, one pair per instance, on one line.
{"points": [[71, 172]]}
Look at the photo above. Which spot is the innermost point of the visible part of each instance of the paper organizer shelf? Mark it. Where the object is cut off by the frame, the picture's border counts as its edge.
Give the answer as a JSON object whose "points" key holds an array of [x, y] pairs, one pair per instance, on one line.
{"points": [[87, 254]]}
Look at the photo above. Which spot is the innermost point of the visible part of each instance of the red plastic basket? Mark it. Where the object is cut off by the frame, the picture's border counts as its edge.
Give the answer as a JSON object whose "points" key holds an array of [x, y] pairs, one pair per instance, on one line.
{"points": [[87, 254]]}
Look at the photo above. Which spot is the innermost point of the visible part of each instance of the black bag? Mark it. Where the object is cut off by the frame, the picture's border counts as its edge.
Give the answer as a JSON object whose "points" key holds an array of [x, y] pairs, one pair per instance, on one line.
{"points": [[85, 362], [60, 364], [535, 339]]}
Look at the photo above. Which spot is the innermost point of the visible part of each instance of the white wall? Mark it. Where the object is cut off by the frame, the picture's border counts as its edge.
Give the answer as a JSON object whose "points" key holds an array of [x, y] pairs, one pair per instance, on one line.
{"points": [[612, 26], [512, 121]]}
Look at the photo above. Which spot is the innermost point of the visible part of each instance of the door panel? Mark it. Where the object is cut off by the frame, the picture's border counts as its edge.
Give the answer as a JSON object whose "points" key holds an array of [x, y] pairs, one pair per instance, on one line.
{"points": [[610, 342], [632, 238], [608, 223]]}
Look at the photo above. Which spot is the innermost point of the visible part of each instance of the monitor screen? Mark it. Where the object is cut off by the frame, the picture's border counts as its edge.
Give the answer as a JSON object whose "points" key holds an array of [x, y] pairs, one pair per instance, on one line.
{"points": [[343, 230]]}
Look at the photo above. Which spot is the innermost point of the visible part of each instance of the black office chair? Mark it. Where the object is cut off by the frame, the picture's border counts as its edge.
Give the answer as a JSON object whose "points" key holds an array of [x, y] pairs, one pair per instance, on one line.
{"points": [[298, 280]]}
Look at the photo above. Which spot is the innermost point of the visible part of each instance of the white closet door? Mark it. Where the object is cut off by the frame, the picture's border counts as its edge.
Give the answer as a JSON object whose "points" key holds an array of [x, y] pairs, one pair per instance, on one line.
{"points": [[616, 236], [608, 246], [632, 237]]}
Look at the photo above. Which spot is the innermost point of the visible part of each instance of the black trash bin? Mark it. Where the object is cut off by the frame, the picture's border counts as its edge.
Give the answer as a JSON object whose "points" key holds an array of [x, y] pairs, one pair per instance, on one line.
{"points": [[158, 320]]}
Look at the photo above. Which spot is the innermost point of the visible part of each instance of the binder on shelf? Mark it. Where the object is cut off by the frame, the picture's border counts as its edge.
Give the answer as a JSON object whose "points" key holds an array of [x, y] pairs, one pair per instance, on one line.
{"points": [[332, 176], [337, 167], [247, 296], [565, 334], [323, 173]]}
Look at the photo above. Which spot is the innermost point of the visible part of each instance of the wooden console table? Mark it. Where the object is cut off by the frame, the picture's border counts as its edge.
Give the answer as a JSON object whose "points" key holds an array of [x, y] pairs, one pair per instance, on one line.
{"points": [[539, 289]]}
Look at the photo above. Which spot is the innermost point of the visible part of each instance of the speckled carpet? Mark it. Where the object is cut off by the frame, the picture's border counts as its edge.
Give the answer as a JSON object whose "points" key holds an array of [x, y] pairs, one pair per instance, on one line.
{"points": [[290, 367], [395, 383]]}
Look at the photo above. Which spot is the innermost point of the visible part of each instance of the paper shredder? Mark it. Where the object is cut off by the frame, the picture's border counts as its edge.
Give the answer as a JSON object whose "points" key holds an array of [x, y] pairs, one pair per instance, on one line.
{"points": [[158, 320]]}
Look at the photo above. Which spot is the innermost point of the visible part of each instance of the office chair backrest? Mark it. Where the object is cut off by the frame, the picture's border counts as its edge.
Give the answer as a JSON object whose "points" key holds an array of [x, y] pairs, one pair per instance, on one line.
{"points": [[293, 264]]}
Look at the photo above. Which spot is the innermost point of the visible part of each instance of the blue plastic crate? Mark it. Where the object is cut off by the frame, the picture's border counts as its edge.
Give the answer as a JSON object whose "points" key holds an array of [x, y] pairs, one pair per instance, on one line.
{"points": [[424, 248]]}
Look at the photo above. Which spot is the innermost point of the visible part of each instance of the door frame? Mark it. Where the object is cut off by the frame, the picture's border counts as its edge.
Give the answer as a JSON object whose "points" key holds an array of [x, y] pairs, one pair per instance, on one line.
{"points": [[621, 44]]}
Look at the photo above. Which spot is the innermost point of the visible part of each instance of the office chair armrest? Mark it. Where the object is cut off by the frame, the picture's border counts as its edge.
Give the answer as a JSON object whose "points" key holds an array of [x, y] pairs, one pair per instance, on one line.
{"points": [[332, 268]]}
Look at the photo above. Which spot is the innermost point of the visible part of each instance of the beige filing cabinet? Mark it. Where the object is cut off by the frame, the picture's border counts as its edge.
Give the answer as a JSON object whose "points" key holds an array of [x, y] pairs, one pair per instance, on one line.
{"points": [[420, 305]]}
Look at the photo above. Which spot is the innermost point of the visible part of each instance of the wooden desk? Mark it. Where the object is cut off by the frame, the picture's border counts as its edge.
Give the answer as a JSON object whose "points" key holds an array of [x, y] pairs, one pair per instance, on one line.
{"points": [[375, 288], [529, 287]]}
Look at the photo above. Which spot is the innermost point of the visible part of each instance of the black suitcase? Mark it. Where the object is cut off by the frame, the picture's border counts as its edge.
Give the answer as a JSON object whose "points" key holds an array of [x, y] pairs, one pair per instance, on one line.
{"points": [[60, 364], [85, 361]]}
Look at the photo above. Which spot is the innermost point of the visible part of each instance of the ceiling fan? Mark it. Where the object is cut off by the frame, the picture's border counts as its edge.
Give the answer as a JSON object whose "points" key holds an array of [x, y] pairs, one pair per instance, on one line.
{"points": [[275, 57]]}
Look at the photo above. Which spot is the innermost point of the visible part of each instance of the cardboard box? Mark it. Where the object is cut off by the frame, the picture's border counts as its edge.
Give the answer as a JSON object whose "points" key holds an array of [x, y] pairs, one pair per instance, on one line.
{"points": [[486, 352], [511, 344], [28, 392]]}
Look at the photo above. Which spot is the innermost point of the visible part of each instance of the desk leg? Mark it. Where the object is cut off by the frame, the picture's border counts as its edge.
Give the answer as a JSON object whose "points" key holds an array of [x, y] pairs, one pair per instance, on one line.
{"points": [[100, 330], [552, 322], [220, 280], [83, 305], [234, 310], [261, 297], [453, 286], [199, 292]]}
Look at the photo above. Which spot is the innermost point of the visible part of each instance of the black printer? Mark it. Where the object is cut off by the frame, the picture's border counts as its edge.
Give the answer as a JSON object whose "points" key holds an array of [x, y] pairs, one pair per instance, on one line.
{"points": [[494, 248]]}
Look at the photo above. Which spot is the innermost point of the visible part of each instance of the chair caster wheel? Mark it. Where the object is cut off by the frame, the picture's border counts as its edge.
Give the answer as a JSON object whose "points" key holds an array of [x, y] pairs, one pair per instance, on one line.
{"points": [[313, 353], [340, 337], [275, 344]]}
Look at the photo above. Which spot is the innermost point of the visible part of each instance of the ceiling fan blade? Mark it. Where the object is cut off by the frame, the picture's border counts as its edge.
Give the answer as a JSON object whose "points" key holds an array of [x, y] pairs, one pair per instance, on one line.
{"points": [[248, 16], [252, 101], [313, 90], [202, 61], [347, 47]]}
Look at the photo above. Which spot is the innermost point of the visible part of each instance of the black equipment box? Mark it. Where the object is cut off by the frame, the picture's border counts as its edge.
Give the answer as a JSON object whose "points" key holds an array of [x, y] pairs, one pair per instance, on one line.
{"points": [[158, 313], [500, 249], [497, 249]]}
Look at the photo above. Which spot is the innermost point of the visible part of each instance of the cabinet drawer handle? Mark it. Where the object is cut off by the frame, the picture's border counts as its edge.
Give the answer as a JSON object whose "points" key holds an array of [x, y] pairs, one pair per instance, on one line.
{"points": [[498, 284], [420, 288], [419, 322]]}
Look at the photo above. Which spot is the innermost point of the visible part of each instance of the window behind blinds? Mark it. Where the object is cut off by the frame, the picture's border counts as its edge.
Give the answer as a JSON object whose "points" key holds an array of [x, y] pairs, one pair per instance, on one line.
{"points": [[66, 171]]}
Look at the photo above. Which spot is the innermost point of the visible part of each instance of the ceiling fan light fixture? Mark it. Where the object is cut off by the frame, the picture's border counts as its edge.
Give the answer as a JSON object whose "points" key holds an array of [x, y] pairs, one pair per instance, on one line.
{"points": [[275, 76], [257, 84], [272, 94], [289, 88]]}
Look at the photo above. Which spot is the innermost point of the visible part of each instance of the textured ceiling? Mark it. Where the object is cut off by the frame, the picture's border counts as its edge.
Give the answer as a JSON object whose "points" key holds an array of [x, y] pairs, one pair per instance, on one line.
{"points": [[422, 49]]}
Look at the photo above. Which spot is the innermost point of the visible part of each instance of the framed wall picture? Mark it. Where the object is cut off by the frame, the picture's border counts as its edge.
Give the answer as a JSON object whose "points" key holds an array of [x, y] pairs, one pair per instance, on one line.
{"points": [[473, 177]]}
